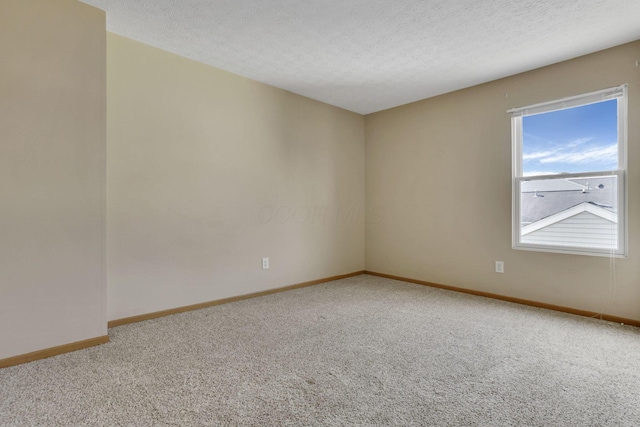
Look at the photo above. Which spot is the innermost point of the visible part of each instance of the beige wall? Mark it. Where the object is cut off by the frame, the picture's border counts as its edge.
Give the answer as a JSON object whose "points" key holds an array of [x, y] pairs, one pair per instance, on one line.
{"points": [[208, 172], [52, 151], [438, 190]]}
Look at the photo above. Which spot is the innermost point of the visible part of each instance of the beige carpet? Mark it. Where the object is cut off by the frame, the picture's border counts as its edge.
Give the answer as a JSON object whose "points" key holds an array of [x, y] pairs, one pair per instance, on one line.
{"points": [[363, 351]]}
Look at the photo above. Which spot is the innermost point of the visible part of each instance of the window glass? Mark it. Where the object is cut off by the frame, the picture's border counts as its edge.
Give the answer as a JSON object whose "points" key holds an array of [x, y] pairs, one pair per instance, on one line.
{"points": [[573, 140], [569, 174]]}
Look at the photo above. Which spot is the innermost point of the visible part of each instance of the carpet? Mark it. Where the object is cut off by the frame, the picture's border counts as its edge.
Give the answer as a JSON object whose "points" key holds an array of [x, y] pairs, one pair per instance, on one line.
{"points": [[362, 351]]}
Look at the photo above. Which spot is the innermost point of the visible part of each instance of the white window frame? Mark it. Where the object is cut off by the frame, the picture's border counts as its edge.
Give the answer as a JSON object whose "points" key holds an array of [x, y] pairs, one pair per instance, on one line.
{"points": [[619, 93]]}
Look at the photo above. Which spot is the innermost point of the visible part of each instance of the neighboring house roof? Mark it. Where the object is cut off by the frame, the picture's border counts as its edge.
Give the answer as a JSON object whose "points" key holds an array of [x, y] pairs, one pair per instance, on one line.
{"points": [[552, 185], [583, 226], [545, 198], [571, 212]]}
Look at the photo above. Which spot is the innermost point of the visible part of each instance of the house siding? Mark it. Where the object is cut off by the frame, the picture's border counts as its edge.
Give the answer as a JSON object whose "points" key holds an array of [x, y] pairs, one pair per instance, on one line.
{"points": [[584, 229]]}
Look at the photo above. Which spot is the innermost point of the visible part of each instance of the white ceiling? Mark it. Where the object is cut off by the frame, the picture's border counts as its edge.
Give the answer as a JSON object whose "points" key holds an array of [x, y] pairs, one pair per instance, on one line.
{"points": [[370, 55]]}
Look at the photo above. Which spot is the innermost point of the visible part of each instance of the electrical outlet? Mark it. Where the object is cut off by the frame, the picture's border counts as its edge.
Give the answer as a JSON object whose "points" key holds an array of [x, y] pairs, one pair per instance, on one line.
{"points": [[499, 266], [265, 263]]}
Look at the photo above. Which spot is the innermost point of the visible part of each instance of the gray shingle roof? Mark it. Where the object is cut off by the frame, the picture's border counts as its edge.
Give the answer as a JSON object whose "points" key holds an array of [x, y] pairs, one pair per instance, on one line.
{"points": [[556, 195]]}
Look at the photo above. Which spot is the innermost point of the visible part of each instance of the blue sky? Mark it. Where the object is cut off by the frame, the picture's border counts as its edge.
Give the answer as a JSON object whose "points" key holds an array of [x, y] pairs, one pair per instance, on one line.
{"points": [[580, 139]]}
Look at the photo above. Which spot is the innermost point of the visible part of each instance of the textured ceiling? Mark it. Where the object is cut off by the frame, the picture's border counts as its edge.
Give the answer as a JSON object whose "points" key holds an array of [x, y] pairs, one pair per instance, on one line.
{"points": [[370, 55]]}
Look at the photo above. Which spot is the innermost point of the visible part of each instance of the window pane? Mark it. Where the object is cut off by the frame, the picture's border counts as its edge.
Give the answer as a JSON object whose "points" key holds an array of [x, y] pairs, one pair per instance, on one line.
{"points": [[579, 139], [571, 212]]}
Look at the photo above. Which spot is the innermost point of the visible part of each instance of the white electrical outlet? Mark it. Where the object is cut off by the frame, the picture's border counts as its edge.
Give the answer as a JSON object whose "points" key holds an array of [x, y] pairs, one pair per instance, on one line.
{"points": [[265, 263], [499, 266]]}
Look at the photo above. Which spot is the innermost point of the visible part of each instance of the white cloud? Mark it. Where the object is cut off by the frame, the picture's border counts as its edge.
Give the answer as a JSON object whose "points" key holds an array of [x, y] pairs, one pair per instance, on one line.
{"points": [[579, 141], [608, 154], [537, 155], [532, 137]]}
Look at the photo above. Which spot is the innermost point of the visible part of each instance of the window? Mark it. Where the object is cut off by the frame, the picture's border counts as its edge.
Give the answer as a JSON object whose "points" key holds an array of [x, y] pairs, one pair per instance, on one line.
{"points": [[569, 174]]}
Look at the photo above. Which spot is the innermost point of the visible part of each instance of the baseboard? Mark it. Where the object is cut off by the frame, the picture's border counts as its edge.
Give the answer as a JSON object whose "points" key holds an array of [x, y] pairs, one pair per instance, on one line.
{"points": [[156, 314], [560, 308], [78, 345], [53, 351]]}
